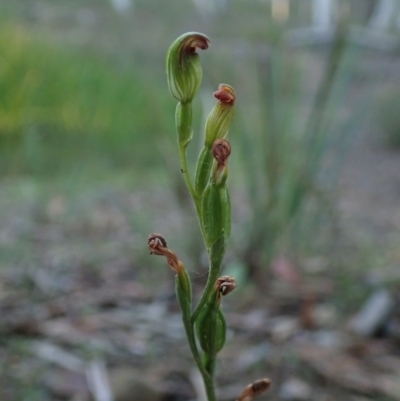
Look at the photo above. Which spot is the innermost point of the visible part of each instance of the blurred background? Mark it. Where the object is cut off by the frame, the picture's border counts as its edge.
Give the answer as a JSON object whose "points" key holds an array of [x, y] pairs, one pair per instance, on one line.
{"points": [[89, 168]]}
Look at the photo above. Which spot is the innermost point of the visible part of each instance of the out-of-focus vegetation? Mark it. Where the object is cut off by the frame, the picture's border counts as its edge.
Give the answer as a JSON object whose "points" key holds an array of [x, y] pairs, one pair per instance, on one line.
{"points": [[60, 110], [291, 138], [388, 116]]}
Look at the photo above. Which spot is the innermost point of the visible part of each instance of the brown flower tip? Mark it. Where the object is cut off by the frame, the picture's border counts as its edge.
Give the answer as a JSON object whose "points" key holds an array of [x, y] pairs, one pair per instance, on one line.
{"points": [[156, 243], [225, 284], [225, 94], [158, 246], [260, 386], [191, 42], [254, 389], [221, 150]]}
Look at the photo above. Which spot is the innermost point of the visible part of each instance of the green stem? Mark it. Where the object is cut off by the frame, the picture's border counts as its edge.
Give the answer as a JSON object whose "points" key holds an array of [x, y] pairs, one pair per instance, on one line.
{"points": [[210, 390], [206, 366], [184, 128], [185, 171], [213, 275], [209, 363], [204, 369], [184, 296], [183, 121]]}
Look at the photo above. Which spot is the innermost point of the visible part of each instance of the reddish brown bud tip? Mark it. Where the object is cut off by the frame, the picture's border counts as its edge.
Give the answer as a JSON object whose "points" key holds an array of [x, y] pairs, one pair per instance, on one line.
{"points": [[254, 389], [221, 150], [225, 284], [195, 40], [225, 94]]}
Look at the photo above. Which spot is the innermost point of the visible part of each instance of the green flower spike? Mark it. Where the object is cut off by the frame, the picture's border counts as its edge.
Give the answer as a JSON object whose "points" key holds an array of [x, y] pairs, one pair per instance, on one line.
{"points": [[184, 71], [205, 326]]}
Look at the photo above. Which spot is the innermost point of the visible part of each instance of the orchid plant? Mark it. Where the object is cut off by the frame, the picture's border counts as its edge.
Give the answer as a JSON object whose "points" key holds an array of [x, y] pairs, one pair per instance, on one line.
{"points": [[205, 326]]}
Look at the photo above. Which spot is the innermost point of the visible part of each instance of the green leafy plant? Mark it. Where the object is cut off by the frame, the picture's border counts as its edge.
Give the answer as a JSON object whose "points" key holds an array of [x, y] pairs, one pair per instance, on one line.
{"points": [[205, 326]]}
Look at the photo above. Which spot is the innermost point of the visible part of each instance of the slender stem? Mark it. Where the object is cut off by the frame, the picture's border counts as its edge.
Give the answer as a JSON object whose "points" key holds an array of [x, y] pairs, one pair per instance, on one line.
{"points": [[184, 127], [212, 278], [204, 369], [210, 389], [209, 363], [183, 121], [185, 171]]}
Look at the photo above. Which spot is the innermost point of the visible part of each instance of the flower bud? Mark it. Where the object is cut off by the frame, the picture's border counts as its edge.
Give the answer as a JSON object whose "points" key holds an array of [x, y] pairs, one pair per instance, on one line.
{"points": [[210, 324], [158, 246], [217, 251], [225, 285], [220, 117], [221, 150], [211, 329], [184, 71], [216, 203], [216, 214]]}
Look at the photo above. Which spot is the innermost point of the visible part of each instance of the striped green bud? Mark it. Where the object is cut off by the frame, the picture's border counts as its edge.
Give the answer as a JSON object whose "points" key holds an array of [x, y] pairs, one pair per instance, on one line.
{"points": [[217, 252], [216, 213], [184, 71], [217, 127], [216, 204], [220, 117], [210, 324], [211, 329], [212, 214]]}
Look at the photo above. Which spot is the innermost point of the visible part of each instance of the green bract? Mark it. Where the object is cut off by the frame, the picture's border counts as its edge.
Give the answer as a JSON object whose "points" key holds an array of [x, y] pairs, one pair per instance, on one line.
{"points": [[184, 71]]}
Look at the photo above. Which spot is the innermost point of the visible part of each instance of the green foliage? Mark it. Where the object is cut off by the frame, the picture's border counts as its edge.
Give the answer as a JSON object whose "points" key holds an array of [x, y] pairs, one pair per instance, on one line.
{"points": [[59, 110]]}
